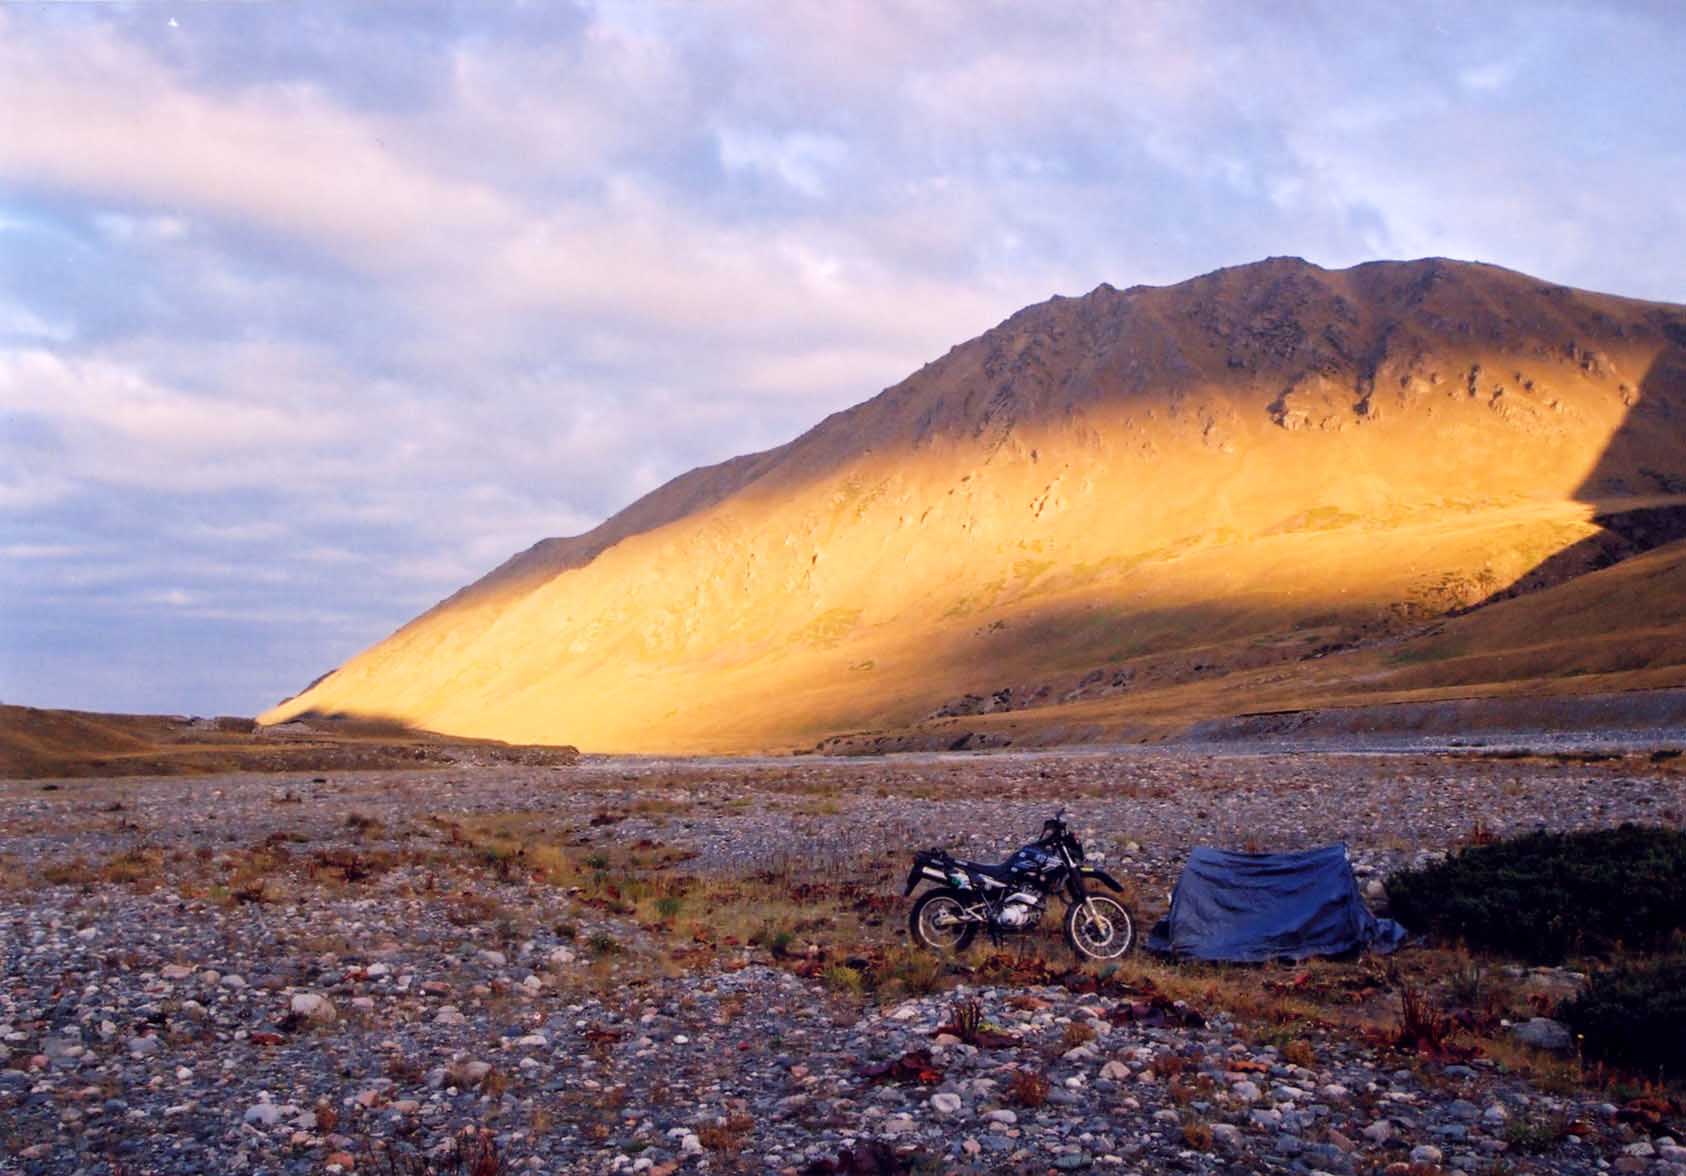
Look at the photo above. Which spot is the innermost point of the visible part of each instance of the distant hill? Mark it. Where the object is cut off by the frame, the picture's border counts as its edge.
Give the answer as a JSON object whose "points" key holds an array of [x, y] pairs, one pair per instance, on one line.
{"points": [[36, 743], [1113, 516]]}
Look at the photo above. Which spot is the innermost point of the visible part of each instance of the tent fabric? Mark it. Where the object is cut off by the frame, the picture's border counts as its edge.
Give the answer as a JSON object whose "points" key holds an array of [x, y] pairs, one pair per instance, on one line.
{"points": [[1252, 907]]}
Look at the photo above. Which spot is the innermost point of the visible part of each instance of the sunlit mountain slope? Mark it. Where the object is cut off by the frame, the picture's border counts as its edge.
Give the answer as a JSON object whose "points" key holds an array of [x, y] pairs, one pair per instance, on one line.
{"points": [[1107, 503]]}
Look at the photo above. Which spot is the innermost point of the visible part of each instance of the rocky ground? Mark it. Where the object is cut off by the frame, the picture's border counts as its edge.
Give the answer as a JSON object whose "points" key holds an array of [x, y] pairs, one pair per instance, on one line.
{"points": [[639, 965]]}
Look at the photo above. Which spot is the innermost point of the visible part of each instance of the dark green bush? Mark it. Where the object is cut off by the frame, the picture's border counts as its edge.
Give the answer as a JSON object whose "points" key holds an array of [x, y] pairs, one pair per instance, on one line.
{"points": [[1549, 895], [1635, 1018]]}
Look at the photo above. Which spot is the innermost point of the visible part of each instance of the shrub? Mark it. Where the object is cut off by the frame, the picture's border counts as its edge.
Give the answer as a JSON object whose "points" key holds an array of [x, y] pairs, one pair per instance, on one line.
{"points": [[1027, 1088], [603, 943], [1198, 1134], [842, 978], [777, 940], [1076, 1034], [1635, 1018], [1422, 1025], [1547, 895]]}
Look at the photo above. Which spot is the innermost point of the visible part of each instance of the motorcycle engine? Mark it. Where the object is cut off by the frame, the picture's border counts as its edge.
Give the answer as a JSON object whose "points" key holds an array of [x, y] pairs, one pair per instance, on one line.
{"points": [[1020, 909]]}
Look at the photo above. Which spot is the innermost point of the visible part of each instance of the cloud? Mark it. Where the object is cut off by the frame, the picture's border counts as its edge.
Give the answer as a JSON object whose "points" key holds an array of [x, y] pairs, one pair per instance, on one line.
{"points": [[309, 314]]}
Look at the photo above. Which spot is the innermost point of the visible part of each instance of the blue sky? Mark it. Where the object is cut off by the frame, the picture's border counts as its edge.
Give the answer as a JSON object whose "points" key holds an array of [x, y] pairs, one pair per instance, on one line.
{"points": [[311, 313]]}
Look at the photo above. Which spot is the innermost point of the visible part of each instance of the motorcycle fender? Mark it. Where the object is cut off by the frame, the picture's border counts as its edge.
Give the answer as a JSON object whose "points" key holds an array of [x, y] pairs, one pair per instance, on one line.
{"points": [[1103, 877]]}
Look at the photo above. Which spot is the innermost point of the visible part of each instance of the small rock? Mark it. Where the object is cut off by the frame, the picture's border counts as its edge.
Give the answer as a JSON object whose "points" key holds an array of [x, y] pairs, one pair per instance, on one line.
{"points": [[314, 1007], [1544, 1033], [263, 1114], [1427, 1154]]}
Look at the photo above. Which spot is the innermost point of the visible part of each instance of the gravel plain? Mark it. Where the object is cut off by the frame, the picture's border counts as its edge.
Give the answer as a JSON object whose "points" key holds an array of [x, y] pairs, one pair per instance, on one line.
{"points": [[290, 973]]}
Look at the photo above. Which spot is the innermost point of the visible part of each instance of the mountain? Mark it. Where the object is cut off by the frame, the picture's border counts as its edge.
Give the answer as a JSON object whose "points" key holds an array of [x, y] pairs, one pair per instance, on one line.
{"points": [[1271, 486]]}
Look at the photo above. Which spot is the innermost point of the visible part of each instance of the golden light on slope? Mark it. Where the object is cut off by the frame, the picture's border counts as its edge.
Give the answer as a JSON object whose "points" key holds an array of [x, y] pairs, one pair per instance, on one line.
{"points": [[1096, 486]]}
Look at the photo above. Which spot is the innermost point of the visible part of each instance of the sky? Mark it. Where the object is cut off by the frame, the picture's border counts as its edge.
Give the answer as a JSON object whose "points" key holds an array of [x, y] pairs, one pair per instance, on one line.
{"points": [[311, 313]]}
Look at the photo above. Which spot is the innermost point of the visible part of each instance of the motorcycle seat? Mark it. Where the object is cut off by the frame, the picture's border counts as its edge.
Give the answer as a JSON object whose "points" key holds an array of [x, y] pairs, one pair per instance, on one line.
{"points": [[1000, 873]]}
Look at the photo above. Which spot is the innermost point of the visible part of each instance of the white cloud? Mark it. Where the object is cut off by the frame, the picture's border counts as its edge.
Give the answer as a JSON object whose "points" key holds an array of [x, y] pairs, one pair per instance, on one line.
{"points": [[333, 331]]}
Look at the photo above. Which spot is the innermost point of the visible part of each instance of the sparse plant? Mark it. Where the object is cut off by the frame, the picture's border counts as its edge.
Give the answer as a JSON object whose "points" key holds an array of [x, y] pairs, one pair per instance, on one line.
{"points": [[776, 940], [726, 1135], [603, 943], [842, 978], [1027, 1088], [1076, 1034], [1168, 1065], [1422, 1025], [1198, 1134], [965, 1020], [1467, 985], [361, 824], [1531, 1135], [1299, 1052]]}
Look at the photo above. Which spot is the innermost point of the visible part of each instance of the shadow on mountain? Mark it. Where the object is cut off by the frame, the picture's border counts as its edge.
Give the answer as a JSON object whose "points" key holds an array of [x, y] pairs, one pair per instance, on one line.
{"points": [[1629, 488]]}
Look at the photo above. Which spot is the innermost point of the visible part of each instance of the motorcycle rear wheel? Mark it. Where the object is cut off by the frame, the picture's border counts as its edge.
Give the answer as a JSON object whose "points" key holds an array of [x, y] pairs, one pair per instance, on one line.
{"points": [[936, 923], [1105, 935]]}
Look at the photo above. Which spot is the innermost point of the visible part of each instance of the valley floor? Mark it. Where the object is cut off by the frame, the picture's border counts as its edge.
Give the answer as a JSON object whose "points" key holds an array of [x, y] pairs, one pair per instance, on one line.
{"points": [[694, 965]]}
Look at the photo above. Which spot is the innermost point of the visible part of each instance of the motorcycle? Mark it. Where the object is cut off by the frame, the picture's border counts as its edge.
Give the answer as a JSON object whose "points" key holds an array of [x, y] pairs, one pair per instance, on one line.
{"points": [[1011, 898]]}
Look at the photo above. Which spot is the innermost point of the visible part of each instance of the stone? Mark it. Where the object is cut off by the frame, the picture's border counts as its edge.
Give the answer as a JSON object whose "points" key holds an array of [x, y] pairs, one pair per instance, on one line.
{"points": [[469, 1073], [1544, 1033], [945, 1104], [1227, 1135], [175, 971], [1379, 1132], [313, 1006], [1427, 1154], [1245, 1091], [264, 1114]]}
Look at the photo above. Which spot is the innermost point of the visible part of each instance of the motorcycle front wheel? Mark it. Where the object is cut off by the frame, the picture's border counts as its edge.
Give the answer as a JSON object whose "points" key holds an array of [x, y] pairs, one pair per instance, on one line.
{"points": [[938, 921], [1099, 928]]}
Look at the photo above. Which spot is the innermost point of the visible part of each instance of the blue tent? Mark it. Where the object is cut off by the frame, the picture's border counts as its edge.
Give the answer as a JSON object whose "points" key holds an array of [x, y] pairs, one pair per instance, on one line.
{"points": [[1252, 907]]}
